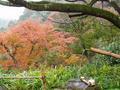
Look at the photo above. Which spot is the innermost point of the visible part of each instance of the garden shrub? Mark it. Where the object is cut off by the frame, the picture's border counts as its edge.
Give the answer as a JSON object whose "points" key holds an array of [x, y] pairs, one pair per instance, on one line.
{"points": [[106, 76], [113, 47]]}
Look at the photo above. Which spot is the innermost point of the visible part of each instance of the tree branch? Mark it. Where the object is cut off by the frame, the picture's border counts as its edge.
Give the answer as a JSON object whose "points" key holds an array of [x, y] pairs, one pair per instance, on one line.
{"points": [[65, 7], [9, 53], [103, 52], [93, 2], [76, 15], [75, 1], [18, 2], [87, 10]]}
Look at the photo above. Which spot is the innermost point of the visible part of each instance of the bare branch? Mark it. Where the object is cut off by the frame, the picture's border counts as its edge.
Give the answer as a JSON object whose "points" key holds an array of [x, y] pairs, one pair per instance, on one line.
{"points": [[75, 1], [103, 52]]}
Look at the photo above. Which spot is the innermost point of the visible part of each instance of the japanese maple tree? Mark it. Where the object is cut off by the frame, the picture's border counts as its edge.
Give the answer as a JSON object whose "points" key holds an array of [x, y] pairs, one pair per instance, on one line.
{"points": [[30, 39]]}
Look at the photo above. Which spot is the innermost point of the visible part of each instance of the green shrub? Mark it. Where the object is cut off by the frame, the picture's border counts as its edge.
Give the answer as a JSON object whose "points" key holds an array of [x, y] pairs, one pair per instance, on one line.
{"points": [[107, 77], [55, 78], [112, 46]]}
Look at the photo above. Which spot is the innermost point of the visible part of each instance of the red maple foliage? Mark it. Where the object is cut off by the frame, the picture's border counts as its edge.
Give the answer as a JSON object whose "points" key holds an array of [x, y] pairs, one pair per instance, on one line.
{"points": [[30, 39]]}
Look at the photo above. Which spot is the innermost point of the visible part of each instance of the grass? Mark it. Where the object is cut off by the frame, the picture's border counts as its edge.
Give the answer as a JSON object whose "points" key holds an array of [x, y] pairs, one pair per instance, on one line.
{"points": [[107, 77]]}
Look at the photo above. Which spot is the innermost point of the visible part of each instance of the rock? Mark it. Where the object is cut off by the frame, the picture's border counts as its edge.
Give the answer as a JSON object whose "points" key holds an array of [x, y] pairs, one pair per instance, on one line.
{"points": [[77, 84]]}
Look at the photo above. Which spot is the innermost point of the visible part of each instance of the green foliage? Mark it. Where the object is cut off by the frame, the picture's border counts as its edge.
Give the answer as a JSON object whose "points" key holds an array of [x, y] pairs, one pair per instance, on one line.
{"points": [[51, 58], [112, 46], [59, 76], [56, 78], [89, 31], [107, 77], [21, 84]]}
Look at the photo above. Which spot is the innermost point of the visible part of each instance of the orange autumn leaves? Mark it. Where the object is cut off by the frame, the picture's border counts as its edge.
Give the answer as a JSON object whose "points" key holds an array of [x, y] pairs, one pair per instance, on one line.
{"points": [[28, 40]]}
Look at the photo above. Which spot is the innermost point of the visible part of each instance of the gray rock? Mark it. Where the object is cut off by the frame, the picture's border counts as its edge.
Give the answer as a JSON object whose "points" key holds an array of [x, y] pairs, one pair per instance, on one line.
{"points": [[77, 84]]}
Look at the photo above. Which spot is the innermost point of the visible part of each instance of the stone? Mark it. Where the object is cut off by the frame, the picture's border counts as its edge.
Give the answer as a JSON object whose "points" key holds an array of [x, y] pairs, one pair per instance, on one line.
{"points": [[77, 84]]}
